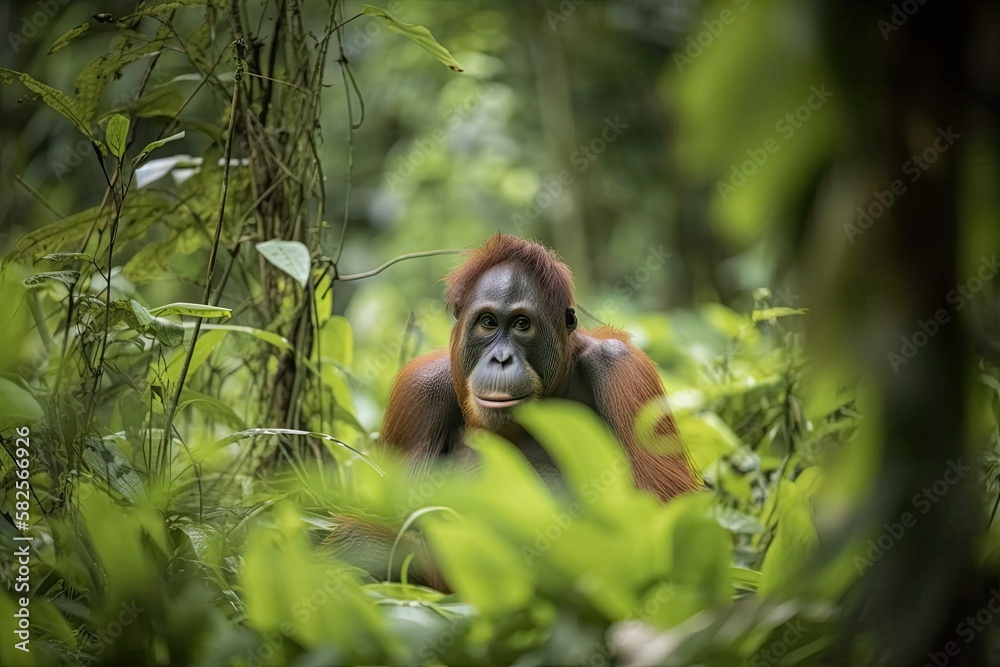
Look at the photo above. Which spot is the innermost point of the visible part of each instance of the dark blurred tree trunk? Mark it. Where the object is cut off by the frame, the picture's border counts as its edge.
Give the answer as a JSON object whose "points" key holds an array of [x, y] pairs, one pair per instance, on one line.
{"points": [[904, 86]]}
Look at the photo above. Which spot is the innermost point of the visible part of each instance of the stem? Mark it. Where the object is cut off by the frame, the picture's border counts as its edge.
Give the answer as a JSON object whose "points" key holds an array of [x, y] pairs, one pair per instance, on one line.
{"points": [[394, 260], [210, 274]]}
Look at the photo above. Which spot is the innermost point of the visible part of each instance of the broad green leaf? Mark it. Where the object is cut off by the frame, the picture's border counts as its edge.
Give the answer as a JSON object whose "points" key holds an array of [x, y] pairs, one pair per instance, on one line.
{"points": [[126, 539], [68, 278], [775, 313], [583, 447], [269, 337], [485, 570], [795, 541], [105, 458], [211, 406], [708, 437], [54, 98], [192, 309], [283, 576], [151, 261], [142, 210], [17, 406], [143, 316], [729, 323], [153, 145], [169, 333], [117, 134], [207, 343], [291, 257], [417, 33], [337, 341], [69, 36], [92, 80]]}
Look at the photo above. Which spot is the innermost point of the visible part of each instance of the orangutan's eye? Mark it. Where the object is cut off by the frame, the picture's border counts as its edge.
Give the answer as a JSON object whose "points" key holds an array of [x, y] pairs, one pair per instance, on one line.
{"points": [[522, 323]]}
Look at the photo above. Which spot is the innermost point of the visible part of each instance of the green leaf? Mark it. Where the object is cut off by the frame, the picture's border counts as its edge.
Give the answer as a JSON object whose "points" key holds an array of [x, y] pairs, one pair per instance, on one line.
{"points": [[117, 134], [484, 569], [207, 343], [144, 317], [162, 101], [17, 406], [105, 458], [140, 211], [153, 145], [212, 407], [54, 98], [169, 333], [291, 257], [775, 313], [417, 33], [582, 446], [68, 257], [92, 80], [709, 438], [337, 341], [270, 337], [69, 36], [281, 572], [744, 579], [192, 309], [160, 8], [151, 261], [794, 544], [68, 231], [68, 278]]}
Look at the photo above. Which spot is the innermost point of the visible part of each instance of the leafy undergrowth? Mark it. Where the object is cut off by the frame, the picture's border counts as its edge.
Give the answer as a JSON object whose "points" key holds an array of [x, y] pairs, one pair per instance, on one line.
{"points": [[202, 553]]}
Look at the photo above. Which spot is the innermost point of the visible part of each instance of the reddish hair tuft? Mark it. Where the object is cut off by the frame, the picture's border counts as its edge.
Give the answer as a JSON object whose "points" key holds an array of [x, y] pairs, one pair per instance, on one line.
{"points": [[543, 264]]}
